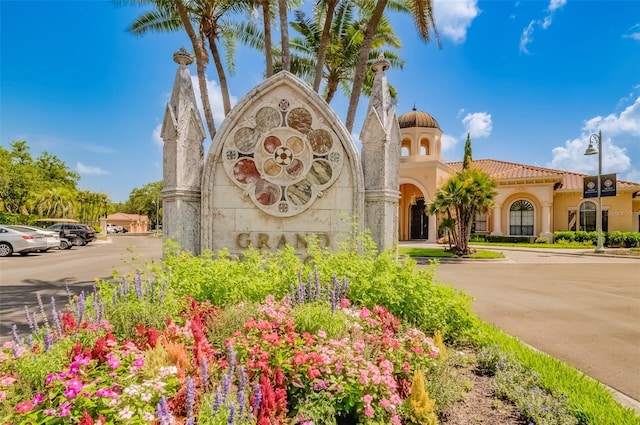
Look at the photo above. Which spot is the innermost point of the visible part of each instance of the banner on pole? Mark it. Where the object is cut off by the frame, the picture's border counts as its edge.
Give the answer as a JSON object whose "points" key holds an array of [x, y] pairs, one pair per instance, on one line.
{"points": [[607, 186]]}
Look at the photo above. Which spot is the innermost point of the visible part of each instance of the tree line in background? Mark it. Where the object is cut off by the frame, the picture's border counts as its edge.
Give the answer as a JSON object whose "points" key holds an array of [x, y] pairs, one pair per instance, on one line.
{"points": [[332, 49], [45, 187]]}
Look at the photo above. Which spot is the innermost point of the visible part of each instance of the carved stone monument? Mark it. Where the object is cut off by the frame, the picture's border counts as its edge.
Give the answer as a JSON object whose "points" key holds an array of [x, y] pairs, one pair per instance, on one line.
{"points": [[281, 166]]}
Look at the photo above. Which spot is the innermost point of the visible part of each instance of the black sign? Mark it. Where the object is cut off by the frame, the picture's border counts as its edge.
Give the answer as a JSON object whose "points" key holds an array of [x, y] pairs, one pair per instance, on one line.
{"points": [[607, 186]]}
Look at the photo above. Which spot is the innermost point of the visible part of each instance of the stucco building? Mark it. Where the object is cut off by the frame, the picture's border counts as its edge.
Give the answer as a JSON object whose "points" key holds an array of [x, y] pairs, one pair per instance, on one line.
{"points": [[531, 201]]}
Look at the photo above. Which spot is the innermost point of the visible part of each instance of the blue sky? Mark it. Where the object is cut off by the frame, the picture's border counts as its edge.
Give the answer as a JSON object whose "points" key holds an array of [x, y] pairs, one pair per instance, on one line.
{"points": [[530, 80]]}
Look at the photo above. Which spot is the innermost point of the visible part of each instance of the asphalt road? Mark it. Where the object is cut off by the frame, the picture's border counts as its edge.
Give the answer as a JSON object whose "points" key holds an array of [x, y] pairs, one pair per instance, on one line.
{"points": [[581, 309], [22, 277]]}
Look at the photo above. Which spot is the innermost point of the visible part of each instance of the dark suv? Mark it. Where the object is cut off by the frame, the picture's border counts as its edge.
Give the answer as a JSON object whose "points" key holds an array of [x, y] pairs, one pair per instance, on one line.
{"points": [[78, 234]]}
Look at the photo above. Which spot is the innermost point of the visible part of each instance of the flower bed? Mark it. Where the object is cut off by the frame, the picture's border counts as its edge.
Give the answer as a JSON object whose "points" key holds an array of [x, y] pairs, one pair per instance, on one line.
{"points": [[277, 368]]}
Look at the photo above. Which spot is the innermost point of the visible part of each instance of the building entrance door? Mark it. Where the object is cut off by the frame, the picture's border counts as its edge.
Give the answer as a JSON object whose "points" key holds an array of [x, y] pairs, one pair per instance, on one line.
{"points": [[419, 220]]}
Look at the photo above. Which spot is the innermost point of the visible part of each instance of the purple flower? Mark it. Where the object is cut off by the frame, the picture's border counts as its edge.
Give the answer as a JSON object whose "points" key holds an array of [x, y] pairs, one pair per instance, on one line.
{"points": [[191, 396], [232, 413], [257, 397], [162, 411], [42, 312], [48, 340], [204, 373]]}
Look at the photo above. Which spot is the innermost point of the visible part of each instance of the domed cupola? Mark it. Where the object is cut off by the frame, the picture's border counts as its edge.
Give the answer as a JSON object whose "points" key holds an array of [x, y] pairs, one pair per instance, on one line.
{"points": [[417, 118]]}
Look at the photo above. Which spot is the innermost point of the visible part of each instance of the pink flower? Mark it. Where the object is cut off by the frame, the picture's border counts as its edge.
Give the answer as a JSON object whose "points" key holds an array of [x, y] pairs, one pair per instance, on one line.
{"points": [[65, 409], [385, 403], [113, 361], [405, 367], [7, 380], [386, 366], [358, 345], [345, 303], [3, 395], [367, 398], [322, 334], [24, 407], [368, 411], [74, 386], [364, 313]]}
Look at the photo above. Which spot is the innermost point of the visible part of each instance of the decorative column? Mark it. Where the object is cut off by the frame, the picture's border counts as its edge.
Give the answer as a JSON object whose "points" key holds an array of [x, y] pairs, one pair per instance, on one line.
{"points": [[183, 161], [497, 220], [381, 139], [433, 228], [546, 222]]}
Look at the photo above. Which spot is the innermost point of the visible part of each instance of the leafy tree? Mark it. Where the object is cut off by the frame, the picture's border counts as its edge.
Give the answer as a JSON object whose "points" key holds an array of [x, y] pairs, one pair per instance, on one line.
{"points": [[467, 159], [57, 202], [343, 48], [146, 200], [464, 195], [422, 14]]}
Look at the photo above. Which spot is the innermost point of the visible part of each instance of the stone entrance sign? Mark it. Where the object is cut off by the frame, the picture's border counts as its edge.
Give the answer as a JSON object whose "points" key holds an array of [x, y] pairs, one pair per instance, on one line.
{"points": [[281, 166]]}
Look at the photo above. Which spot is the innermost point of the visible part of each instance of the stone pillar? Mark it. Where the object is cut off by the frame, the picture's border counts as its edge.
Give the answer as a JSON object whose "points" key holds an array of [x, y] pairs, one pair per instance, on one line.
{"points": [[546, 222], [381, 140], [497, 220], [433, 229], [183, 161]]}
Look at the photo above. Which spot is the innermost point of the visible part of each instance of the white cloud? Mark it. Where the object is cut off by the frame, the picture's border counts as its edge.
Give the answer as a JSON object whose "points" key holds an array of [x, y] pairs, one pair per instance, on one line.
{"points": [[453, 18], [624, 128], [633, 32], [157, 140], [571, 157], [215, 98], [628, 122], [545, 22], [479, 124], [89, 170], [448, 142]]}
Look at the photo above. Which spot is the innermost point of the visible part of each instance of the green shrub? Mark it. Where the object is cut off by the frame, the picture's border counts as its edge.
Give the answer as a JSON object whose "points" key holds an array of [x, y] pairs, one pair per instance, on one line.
{"points": [[508, 239], [616, 238], [542, 240], [631, 239], [312, 317], [564, 236]]}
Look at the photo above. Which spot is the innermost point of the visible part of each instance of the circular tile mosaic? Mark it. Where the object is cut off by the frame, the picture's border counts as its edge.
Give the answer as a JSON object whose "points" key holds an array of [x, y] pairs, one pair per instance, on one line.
{"points": [[283, 163]]}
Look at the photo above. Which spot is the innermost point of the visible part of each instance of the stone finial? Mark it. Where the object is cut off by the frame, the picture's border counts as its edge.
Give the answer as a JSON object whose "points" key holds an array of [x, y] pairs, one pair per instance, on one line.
{"points": [[182, 57], [381, 64]]}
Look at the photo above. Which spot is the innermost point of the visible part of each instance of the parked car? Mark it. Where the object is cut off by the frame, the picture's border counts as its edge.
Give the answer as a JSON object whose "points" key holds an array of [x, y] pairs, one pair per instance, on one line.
{"points": [[23, 243], [114, 228], [77, 234], [52, 238]]}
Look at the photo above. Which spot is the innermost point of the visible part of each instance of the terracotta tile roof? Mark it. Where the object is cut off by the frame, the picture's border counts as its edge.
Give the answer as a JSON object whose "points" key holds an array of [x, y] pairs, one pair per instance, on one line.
{"points": [[129, 217], [502, 170]]}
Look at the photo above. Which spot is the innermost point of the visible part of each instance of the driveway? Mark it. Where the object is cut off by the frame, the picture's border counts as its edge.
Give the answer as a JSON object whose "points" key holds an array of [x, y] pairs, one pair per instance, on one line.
{"points": [[582, 309]]}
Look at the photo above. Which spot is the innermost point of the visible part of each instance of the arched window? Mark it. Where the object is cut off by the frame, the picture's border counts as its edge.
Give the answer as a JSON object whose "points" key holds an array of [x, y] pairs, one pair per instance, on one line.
{"points": [[424, 147], [521, 217], [588, 216], [405, 149]]}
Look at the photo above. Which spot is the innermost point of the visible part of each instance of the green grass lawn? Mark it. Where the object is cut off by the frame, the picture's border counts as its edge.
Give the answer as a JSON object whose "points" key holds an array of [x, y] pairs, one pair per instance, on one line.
{"points": [[441, 253], [574, 245]]}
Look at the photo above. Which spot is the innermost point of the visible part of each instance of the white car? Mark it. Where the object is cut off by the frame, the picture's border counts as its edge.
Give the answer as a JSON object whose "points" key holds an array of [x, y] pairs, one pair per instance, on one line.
{"points": [[114, 228], [23, 243], [52, 238]]}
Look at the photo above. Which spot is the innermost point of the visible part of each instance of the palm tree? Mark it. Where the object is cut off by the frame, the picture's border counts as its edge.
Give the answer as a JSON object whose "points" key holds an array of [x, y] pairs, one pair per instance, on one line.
{"points": [[422, 13], [284, 35], [464, 195], [55, 202], [329, 7], [342, 49], [173, 15]]}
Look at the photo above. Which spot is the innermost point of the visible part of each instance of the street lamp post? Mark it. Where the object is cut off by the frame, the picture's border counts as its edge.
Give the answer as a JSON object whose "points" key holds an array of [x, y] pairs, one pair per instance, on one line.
{"points": [[597, 138]]}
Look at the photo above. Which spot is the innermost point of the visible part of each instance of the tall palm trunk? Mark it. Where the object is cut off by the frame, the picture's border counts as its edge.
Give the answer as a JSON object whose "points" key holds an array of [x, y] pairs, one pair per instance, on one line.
{"points": [[222, 76], [284, 35], [201, 59], [268, 50], [324, 42], [361, 65]]}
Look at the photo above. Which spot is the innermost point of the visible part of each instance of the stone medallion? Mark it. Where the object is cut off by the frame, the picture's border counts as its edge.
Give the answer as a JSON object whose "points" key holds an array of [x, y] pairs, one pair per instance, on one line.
{"points": [[285, 160]]}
